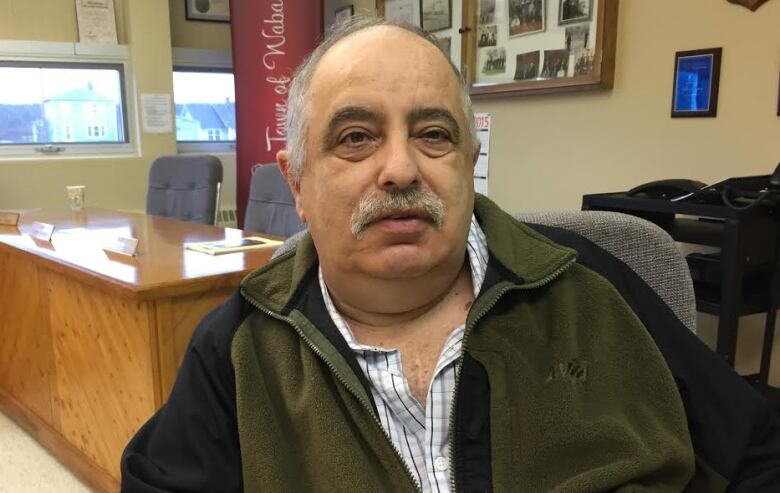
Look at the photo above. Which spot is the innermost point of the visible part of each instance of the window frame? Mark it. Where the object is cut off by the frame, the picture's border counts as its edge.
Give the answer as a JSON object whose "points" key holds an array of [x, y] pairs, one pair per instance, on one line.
{"points": [[72, 55], [200, 60]]}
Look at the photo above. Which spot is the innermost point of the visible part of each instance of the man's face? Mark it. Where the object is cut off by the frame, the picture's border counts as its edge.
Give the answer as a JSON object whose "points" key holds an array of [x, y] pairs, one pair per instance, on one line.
{"points": [[387, 189]]}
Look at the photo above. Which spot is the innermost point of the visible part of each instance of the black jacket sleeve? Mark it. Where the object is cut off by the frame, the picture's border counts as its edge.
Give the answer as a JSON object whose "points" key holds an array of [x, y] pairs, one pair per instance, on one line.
{"points": [[191, 444], [734, 430]]}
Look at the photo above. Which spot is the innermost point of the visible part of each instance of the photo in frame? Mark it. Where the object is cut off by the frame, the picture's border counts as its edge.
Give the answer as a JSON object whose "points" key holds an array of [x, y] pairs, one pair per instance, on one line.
{"points": [[399, 11], [556, 64], [527, 66], [446, 45], [487, 36], [577, 37], [572, 11], [526, 17], [343, 14], [207, 10], [495, 63], [696, 83], [436, 14], [487, 12]]}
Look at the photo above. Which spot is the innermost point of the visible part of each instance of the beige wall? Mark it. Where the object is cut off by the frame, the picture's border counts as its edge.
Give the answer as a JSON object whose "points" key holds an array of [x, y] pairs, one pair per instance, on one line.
{"points": [[116, 182], [46, 20], [547, 151], [196, 34]]}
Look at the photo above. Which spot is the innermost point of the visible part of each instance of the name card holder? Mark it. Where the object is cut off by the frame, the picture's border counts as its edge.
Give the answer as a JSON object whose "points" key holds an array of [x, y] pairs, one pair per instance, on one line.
{"points": [[123, 246], [42, 231], [9, 218]]}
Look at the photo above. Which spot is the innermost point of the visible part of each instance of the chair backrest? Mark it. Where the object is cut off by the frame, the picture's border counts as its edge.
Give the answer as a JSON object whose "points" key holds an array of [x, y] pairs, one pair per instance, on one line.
{"points": [[271, 206], [185, 187], [643, 246]]}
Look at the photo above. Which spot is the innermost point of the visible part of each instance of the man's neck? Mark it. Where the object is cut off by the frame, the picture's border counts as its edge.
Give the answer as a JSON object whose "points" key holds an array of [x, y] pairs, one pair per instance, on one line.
{"points": [[393, 303]]}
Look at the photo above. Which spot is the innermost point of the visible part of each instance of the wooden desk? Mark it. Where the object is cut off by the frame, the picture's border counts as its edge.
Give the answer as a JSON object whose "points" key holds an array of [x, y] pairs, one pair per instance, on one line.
{"points": [[90, 343]]}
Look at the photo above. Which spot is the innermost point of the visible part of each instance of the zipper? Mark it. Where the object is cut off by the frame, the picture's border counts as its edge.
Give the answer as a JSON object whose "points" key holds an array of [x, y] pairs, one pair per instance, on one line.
{"points": [[467, 333], [332, 368]]}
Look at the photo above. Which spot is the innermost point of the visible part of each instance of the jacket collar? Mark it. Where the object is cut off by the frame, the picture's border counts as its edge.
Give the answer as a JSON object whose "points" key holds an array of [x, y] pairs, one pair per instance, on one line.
{"points": [[518, 253]]}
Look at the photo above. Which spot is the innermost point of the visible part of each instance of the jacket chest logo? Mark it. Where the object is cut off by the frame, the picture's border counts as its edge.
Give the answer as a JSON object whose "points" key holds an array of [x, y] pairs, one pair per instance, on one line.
{"points": [[574, 370]]}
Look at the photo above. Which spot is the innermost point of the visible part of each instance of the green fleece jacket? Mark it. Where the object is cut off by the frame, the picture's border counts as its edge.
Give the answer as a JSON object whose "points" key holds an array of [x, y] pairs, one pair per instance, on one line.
{"points": [[580, 399]]}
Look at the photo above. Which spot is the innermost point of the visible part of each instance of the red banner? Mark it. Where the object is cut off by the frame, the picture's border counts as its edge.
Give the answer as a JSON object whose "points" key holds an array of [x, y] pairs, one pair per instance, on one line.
{"points": [[270, 39]]}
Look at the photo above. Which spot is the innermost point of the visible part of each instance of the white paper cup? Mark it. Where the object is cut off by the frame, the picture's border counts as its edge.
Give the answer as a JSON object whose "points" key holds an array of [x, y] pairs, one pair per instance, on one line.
{"points": [[76, 197]]}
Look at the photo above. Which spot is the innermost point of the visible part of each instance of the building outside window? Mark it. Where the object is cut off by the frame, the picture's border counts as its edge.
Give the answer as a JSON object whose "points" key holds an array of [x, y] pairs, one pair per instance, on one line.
{"points": [[52, 103], [205, 105]]}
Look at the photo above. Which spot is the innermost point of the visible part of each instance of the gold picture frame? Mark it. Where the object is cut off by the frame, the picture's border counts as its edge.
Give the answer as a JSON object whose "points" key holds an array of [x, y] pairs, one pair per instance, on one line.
{"points": [[569, 56]]}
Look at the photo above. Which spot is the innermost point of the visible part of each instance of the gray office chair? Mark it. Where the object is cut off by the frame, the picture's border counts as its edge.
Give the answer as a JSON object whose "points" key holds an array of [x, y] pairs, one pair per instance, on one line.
{"points": [[185, 187], [271, 206], [643, 246]]}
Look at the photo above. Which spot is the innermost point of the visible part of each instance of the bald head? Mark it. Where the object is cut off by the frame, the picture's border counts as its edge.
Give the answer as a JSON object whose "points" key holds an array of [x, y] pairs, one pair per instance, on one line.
{"points": [[346, 42]]}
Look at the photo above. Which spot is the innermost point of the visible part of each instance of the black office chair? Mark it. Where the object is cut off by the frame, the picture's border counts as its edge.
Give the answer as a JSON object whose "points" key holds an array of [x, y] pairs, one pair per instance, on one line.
{"points": [[271, 206], [185, 187]]}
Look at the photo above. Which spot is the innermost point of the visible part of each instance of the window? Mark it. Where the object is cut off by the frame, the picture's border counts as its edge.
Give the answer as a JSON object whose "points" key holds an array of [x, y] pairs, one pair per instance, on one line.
{"points": [[205, 106], [50, 103], [63, 99]]}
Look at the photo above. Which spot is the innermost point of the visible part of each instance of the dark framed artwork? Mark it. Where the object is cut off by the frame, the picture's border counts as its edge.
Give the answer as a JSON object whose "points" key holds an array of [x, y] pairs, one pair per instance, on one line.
{"points": [[572, 11], [696, 82], [436, 15], [207, 10]]}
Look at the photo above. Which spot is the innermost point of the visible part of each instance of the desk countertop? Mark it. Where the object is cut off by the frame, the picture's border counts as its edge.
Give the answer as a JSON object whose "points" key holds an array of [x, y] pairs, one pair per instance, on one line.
{"points": [[161, 266]]}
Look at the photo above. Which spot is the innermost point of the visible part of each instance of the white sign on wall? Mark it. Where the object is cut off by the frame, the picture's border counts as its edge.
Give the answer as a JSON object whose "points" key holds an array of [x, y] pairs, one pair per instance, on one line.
{"points": [[96, 21], [156, 113]]}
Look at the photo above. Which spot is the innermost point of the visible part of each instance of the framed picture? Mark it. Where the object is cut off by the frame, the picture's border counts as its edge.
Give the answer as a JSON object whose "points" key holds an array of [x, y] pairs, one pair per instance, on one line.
{"points": [[509, 47], [207, 10], [778, 97], [436, 14], [527, 66], [399, 11], [445, 44], [343, 14], [571, 11], [487, 12], [487, 36], [526, 17], [696, 81]]}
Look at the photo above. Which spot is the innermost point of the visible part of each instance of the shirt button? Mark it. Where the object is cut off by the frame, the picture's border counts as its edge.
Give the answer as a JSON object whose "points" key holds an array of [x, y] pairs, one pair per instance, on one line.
{"points": [[441, 464]]}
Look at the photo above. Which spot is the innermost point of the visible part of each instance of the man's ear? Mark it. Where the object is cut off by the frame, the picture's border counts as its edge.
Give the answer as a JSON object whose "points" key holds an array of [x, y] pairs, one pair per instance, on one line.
{"points": [[283, 159], [475, 156]]}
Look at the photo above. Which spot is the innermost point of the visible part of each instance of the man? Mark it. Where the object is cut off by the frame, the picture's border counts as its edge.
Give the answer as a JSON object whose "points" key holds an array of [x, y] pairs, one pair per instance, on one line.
{"points": [[416, 339]]}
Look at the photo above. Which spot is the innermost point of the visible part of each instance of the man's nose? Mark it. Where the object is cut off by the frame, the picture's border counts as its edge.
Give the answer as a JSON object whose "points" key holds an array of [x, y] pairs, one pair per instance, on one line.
{"points": [[400, 168]]}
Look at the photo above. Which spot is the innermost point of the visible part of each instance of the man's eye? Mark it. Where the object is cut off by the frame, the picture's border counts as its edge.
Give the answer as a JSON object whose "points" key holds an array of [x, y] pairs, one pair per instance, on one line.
{"points": [[436, 135], [355, 138]]}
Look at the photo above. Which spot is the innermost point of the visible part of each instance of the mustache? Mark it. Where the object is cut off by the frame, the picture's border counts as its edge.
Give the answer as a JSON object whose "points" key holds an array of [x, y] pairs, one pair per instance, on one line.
{"points": [[375, 206]]}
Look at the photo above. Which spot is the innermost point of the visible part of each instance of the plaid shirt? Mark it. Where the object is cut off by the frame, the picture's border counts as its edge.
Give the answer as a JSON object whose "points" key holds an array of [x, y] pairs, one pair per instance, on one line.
{"points": [[420, 435]]}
